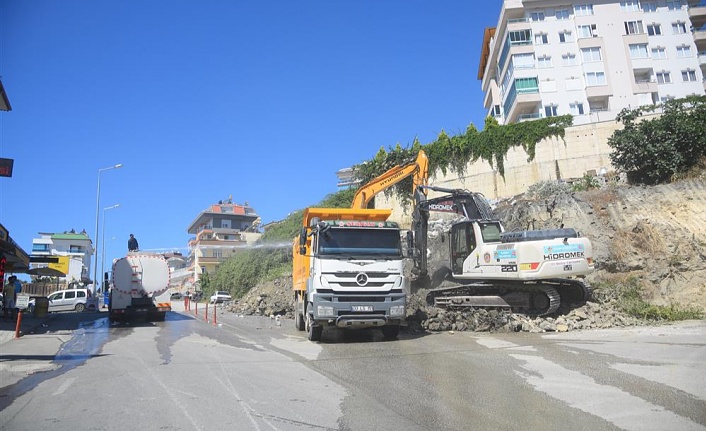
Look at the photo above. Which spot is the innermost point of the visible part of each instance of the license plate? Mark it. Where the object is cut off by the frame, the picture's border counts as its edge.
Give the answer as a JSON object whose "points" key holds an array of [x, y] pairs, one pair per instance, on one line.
{"points": [[362, 308]]}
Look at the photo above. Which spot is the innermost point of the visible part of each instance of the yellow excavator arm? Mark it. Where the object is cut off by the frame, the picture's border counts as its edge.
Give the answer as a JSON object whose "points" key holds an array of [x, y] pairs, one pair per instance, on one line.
{"points": [[419, 168]]}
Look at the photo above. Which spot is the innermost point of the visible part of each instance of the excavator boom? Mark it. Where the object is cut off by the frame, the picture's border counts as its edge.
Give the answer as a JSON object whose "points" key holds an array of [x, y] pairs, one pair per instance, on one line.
{"points": [[419, 168]]}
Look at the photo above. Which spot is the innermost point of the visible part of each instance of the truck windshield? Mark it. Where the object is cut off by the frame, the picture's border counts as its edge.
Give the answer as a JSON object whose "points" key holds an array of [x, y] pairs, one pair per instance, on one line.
{"points": [[359, 242]]}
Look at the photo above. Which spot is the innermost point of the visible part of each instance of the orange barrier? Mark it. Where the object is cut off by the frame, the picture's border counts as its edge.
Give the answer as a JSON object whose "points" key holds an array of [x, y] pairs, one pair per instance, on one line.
{"points": [[19, 324], [214, 316]]}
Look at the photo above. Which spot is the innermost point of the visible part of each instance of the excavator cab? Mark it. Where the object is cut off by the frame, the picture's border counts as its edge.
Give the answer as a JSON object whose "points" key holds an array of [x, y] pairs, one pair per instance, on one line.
{"points": [[462, 243]]}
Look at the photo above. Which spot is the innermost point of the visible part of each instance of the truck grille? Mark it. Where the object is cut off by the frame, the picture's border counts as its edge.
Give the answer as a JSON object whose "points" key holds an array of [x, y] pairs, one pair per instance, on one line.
{"points": [[373, 279]]}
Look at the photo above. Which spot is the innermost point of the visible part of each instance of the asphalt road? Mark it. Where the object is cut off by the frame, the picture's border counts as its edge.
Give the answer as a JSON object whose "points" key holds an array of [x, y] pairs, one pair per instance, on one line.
{"points": [[254, 373]]}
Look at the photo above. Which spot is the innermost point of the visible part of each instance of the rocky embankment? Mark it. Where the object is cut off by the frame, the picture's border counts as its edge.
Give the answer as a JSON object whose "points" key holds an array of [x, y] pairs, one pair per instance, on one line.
{"points": [[654, 234]]}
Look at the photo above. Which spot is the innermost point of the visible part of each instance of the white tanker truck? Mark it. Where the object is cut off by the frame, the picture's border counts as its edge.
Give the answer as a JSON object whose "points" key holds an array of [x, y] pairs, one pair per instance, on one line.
{"points": [[140, 288]]}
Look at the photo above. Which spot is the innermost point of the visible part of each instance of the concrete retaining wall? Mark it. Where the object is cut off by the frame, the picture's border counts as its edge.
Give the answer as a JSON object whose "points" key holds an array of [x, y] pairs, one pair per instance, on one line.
{"points": [[583, 149]]}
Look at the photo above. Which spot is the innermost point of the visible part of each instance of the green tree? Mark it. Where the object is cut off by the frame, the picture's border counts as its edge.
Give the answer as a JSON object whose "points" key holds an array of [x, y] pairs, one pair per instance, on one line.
{"points": [[652, 151], [204, 284]]}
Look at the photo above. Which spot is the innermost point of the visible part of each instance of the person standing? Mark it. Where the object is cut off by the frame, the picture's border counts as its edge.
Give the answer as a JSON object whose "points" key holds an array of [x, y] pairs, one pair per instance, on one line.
{"points": [[132, 244], [8, 300]]}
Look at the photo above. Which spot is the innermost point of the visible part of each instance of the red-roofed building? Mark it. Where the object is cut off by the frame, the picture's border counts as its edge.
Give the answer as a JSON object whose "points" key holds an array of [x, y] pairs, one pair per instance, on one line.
{"points": [[220, 231]]}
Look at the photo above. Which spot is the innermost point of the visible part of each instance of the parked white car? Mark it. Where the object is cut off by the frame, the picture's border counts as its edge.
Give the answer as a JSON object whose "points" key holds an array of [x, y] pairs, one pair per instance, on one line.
{"points": [[220, 296], [71, 299]]}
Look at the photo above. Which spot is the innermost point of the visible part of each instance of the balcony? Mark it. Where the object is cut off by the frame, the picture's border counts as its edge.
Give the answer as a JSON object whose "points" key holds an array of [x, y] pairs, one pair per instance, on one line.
{"points": [[206, 260], [529, 117], [641, 86], [697, 15], [598, 91], [525, 105], [700, 39]]}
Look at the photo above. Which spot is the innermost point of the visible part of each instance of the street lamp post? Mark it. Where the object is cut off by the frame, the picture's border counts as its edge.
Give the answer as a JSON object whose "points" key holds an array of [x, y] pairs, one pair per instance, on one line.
{"points": [[98, 199], [103, 241]]}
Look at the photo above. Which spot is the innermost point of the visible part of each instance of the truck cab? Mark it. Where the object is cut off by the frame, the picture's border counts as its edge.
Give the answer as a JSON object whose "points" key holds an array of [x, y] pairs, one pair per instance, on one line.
{"points": [[348, 272]]}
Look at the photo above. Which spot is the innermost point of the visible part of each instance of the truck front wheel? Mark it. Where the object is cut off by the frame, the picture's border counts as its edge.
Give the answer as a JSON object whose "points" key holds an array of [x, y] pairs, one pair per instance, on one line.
{"points": [[313, 332]]}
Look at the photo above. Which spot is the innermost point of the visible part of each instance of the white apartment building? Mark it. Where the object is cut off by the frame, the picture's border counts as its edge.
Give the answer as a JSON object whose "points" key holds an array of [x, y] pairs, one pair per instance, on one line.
{"points": [[590, 59], [73, 250]]}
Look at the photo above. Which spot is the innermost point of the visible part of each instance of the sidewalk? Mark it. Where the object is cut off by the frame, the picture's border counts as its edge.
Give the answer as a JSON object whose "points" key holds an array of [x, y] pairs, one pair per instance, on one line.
{"points": [[32, 352], [29, 325]]}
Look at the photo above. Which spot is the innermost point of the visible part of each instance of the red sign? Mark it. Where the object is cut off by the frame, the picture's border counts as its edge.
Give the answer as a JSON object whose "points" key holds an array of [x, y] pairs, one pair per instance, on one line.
{"points": [[6, 167]]}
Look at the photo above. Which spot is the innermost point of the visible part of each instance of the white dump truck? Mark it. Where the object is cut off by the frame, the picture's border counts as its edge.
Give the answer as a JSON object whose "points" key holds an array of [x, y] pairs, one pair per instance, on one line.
{"points": [[140, 288]]}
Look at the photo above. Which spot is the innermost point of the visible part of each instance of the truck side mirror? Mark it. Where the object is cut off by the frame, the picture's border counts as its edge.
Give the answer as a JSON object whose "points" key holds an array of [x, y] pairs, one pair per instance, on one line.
{"points": [[302, 249], [302, 237]]}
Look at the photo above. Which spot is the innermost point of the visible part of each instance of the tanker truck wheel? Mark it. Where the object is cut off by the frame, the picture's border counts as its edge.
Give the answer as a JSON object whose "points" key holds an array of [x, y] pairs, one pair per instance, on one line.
{"points": [[390, 332], [313, 333]]}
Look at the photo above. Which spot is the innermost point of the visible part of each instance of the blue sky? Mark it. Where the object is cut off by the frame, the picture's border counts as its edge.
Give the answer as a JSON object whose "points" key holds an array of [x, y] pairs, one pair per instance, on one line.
{"points": [[201, 100]]}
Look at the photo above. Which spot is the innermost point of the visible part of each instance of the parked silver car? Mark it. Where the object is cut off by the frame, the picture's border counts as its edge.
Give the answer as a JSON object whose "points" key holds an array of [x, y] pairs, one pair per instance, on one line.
{"points": [[71, 299]]}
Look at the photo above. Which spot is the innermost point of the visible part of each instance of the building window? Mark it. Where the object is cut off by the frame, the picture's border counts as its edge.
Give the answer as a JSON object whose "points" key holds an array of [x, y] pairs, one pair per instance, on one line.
{"points": [[75, 249], [633, 27], [576, 108], [544, 62], [496, 111], [688, 75], [526, 85], [659, 52], [649, 6], [540, 39], [40, 247], [683, 51], [583, 9], [587, 31], [218, 253], [568, 60], [550, 111], [654, 30], [537, 16], [523, 61], [630, 6], [638, 51], [563, 14], [663, 77], [678, 28], [565, 36], [674, 5], [520, 37], [591, 54], [595, 78]]}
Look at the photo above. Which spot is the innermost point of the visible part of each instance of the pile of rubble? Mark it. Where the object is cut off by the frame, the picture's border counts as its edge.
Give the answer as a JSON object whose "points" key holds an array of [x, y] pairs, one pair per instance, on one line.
{"points": [[591, 315], [274, 298]]}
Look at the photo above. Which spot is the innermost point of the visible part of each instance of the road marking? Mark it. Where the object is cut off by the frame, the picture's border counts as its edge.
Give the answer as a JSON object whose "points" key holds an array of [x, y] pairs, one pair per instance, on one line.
{"points": [[64, 386], [494, 343], [612, 404]]}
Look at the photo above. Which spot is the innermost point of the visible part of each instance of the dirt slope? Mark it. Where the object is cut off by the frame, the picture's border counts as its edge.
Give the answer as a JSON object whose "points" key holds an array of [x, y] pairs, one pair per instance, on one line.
{"points": [[655, 233]]}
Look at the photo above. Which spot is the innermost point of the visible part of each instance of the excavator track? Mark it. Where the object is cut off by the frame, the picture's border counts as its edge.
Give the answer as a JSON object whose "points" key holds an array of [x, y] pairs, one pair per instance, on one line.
{"points": [[530, 298]]}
